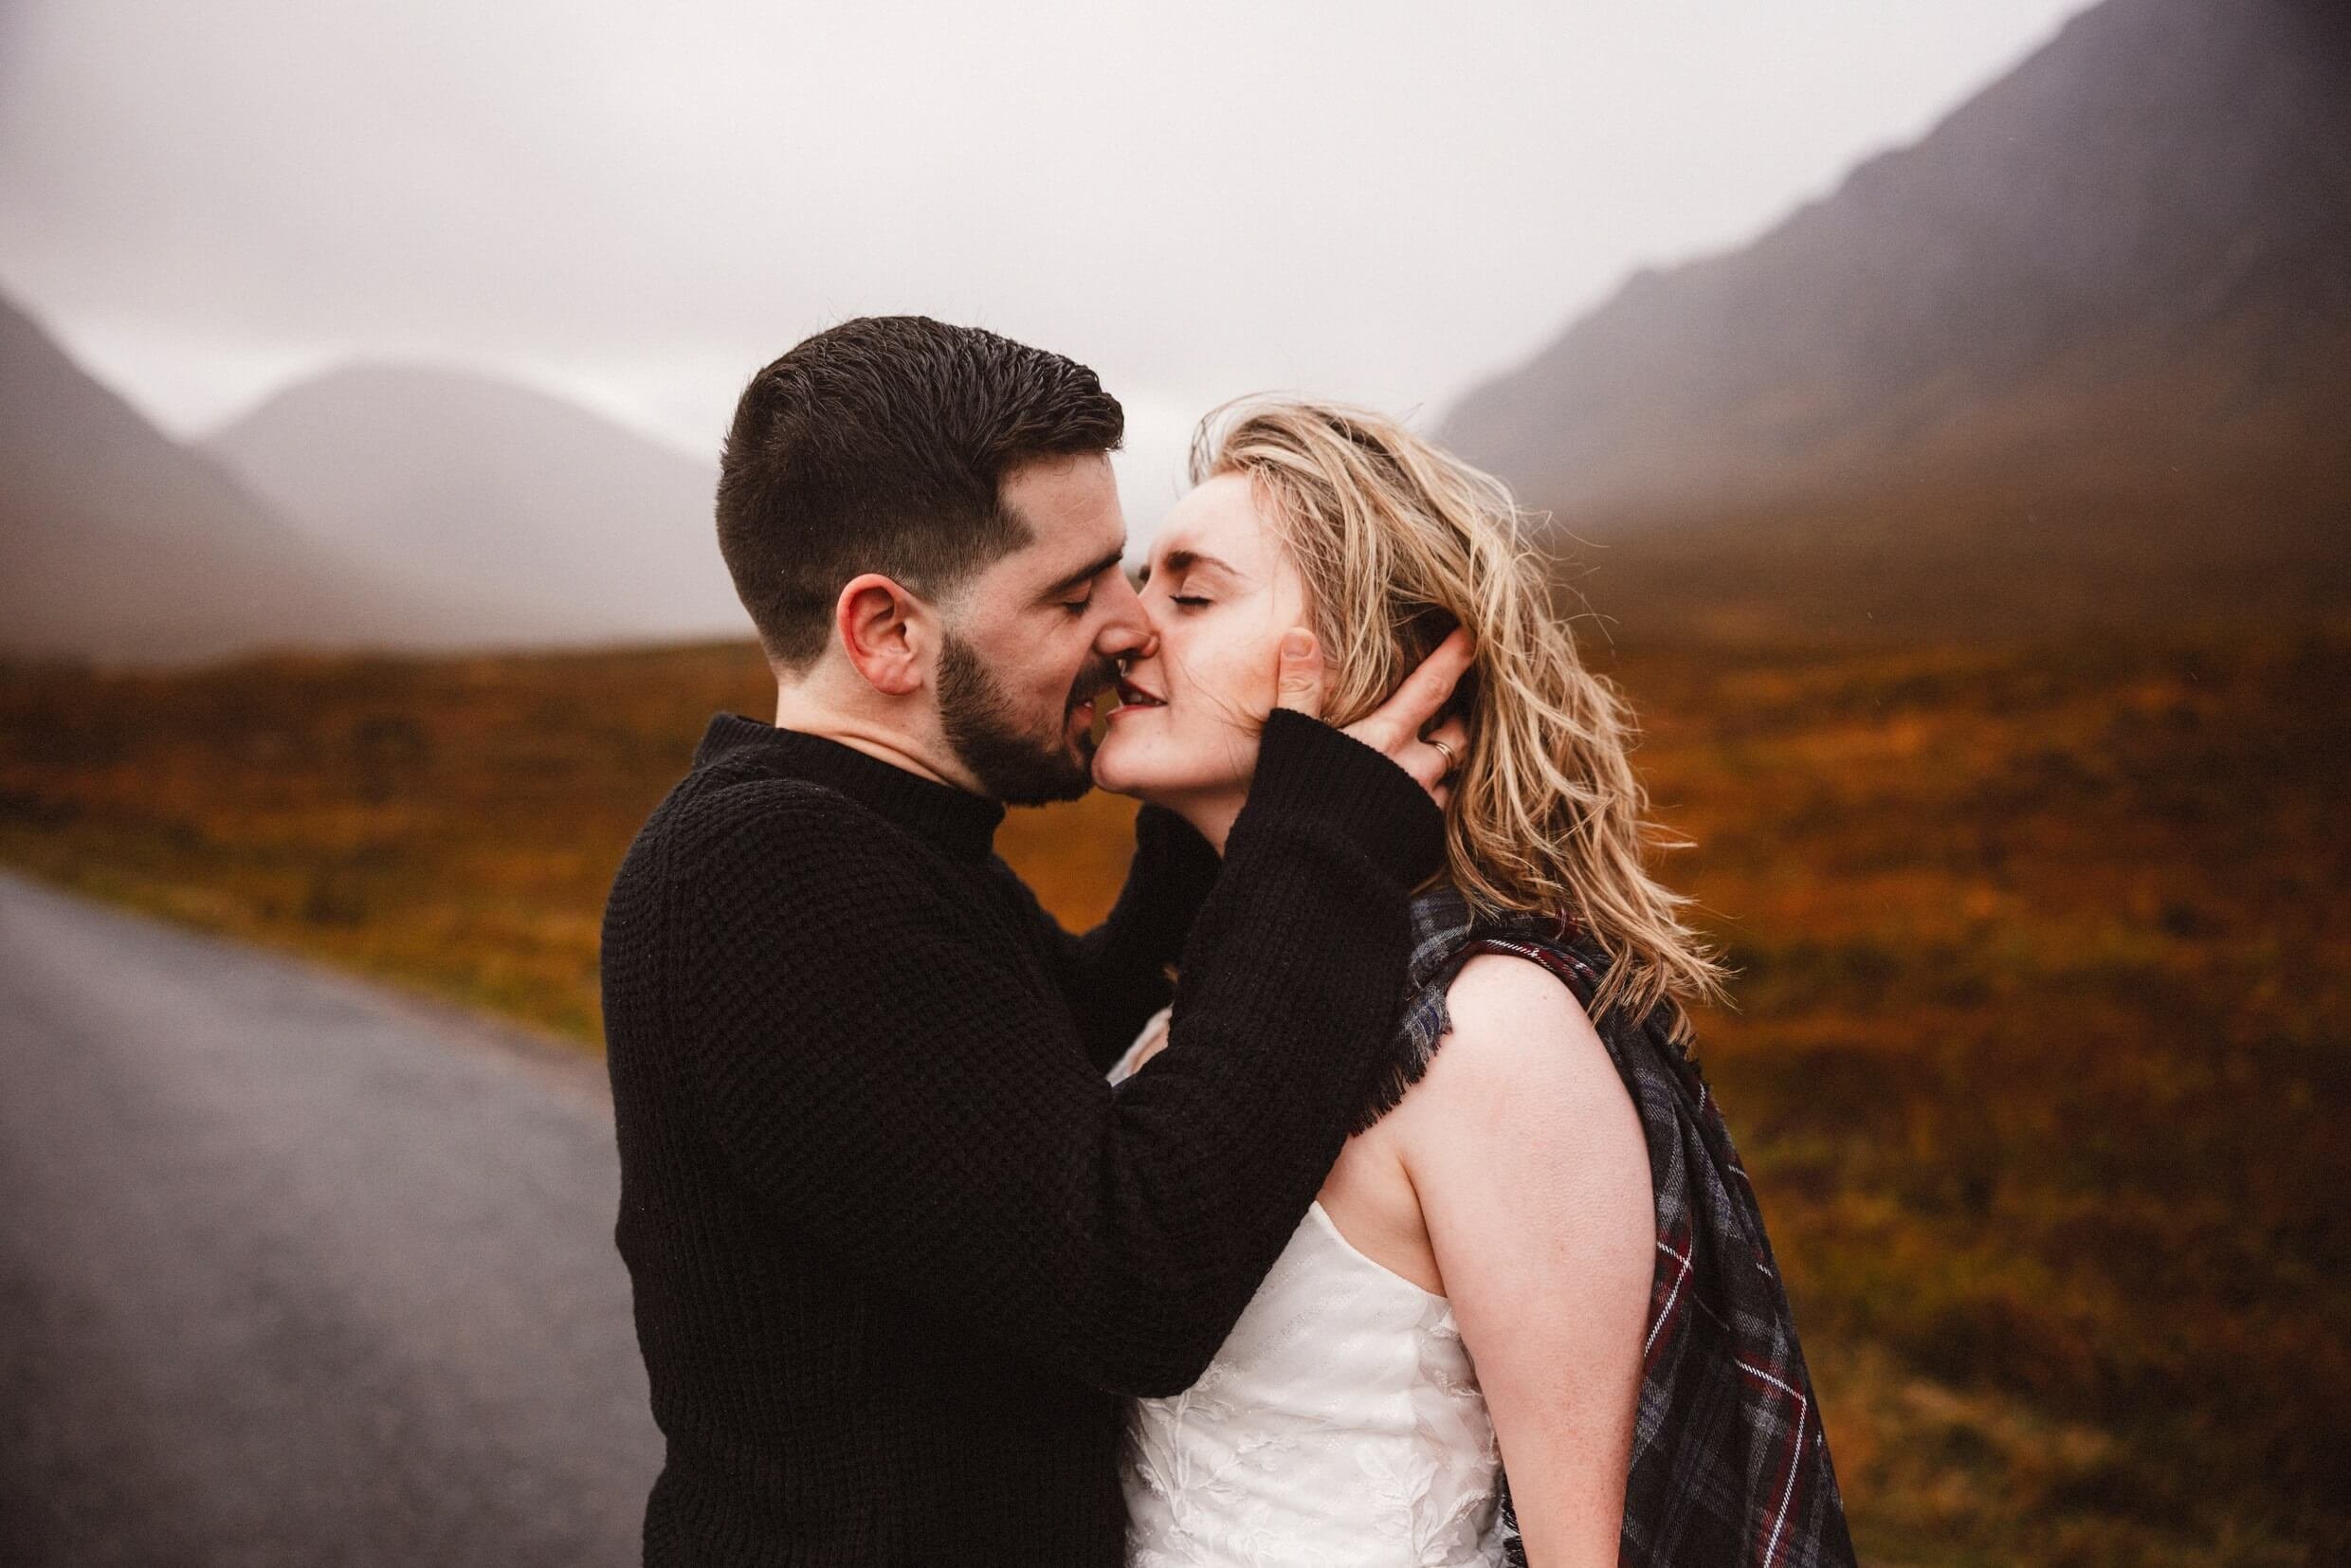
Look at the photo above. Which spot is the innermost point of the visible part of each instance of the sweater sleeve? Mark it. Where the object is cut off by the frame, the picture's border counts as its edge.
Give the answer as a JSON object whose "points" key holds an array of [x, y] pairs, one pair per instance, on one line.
{"points": [[923, 1111], [1115, 976]]}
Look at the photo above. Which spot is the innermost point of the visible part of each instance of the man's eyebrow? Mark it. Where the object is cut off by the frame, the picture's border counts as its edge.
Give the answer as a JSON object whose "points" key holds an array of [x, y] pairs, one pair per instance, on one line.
{"points": [[1084, 573]]}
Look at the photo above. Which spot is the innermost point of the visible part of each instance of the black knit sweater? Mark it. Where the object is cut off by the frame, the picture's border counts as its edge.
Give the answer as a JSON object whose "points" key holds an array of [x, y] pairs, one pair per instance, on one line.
{"points": [[896, 1247]]}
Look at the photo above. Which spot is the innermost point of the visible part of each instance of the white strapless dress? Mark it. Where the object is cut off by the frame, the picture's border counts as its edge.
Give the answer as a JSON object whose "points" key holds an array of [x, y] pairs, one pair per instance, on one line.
{"points": [[1340, 1427]]}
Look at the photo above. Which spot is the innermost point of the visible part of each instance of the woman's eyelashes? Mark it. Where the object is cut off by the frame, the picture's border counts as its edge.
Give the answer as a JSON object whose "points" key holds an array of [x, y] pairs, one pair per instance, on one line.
{"points": [[1190, 601]]}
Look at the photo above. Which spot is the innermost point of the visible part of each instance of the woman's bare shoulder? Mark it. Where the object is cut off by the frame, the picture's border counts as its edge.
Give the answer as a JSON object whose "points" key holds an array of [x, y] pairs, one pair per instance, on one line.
{"points": [[1509, 1012], [1521, 1052]]}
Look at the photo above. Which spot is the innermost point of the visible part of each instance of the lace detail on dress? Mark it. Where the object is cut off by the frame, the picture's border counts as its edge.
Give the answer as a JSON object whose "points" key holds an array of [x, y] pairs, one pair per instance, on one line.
{"points": [[1341, 1426]]}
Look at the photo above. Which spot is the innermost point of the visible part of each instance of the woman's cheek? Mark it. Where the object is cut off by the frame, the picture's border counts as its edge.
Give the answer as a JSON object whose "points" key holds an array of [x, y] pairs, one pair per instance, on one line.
{"points": [[1237, 701], [1250, 686], [1258, 679]]}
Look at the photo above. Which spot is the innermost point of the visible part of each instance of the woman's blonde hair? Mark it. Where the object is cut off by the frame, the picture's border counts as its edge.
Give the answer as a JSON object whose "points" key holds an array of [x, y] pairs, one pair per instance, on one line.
{"points": [[1397, 543]]}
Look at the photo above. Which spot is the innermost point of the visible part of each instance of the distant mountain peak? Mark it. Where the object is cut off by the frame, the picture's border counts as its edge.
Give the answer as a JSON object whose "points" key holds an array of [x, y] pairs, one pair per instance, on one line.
{"points": [[374, 506], [472, 478], [427, 389], [117, 543], [2128, 259]]}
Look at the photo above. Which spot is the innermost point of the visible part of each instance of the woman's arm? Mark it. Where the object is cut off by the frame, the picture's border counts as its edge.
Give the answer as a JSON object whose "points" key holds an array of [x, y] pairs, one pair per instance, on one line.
{"points": [[1533, 1178]]}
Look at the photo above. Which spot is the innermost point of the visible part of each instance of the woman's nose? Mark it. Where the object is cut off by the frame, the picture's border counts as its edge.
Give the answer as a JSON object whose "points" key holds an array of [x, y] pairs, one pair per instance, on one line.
{"points": [[1128, 633]]}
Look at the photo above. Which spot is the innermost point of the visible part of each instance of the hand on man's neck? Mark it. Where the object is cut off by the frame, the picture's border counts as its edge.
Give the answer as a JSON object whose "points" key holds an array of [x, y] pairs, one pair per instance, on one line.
{"points": [[903, 732]]}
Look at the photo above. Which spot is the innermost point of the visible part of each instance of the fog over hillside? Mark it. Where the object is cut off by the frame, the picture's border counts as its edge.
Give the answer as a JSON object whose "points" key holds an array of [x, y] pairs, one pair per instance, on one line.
{"points": [[2077, 357], [373, 507], [472, 483], [2098, 321], [119, 543]]}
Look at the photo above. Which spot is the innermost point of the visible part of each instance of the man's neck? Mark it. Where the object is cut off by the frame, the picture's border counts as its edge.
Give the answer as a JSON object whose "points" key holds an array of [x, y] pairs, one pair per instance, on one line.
{"points": [[877, 738]]}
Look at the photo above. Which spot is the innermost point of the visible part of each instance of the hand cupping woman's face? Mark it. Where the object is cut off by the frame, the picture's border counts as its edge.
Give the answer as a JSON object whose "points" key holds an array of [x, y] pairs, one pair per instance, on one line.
{"points": [[1220, 591]]}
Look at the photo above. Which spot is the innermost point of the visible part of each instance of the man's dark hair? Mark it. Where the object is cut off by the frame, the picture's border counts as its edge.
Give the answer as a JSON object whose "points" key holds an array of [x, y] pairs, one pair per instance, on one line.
{"points": [[881, 445]]}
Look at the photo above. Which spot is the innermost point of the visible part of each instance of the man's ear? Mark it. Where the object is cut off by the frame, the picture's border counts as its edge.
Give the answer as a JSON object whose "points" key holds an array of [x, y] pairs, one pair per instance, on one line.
{"points": [[886, 632]]}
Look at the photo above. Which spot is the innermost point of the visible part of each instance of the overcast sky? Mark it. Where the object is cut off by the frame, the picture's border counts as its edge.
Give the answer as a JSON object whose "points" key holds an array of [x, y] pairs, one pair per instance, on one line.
{"points": [[640, 204]]}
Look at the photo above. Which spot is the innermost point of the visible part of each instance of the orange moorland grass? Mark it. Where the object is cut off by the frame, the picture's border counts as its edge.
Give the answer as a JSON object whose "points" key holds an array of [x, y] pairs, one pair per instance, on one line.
{"points": [[2038, 1052]]}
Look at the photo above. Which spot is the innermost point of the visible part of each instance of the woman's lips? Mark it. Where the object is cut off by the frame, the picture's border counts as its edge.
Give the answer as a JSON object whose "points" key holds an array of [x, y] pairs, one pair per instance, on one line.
{"points": [[1131, 697]]}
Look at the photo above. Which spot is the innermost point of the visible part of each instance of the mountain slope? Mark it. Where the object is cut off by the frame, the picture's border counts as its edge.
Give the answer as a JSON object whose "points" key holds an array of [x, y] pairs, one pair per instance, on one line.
{"points": [[2082, 351], [473, 483], [117, 543]]}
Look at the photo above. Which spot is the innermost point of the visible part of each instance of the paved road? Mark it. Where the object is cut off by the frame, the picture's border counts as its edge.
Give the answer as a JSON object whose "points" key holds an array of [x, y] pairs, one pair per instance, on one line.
{"points": [[293, 1271]]}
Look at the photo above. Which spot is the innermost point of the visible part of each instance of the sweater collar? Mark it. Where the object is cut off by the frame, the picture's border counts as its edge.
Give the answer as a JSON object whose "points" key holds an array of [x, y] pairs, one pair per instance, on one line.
{"points": [[956, 820]]}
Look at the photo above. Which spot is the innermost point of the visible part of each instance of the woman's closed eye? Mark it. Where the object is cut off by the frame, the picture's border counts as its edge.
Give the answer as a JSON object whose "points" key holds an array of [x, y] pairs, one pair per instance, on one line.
{"points": [[1190, 601]]}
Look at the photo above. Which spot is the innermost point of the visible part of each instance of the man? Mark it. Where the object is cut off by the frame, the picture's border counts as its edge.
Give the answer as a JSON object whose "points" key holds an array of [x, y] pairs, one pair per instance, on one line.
{"points": [[896, 1247]]}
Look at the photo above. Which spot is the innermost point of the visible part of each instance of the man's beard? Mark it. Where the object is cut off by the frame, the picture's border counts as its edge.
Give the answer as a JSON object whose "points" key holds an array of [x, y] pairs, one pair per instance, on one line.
{"points": [[1014, 767]]}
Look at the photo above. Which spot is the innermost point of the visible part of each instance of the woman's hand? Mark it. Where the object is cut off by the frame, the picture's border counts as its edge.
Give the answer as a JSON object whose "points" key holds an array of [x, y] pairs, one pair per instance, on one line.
{"points": [[1151, 1042], [1394, 728]]}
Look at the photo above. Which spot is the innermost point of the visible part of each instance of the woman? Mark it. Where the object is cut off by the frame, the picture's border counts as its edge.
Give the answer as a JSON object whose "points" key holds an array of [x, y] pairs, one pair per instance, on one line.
{"points": [[1517, 1260]]}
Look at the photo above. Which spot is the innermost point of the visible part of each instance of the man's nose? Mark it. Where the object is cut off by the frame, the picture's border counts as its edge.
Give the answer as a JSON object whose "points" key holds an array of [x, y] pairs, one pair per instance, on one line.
{"points": [[1127, 630]]}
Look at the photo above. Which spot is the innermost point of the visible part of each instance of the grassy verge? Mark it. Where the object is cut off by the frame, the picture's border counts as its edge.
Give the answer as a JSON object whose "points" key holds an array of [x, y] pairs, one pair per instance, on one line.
{"points": [[2039, 1058]]}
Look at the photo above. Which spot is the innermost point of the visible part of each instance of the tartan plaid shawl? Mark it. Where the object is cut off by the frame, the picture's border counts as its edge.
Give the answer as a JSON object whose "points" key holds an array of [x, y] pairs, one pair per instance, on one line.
{"points": [[1729, 1464]]}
